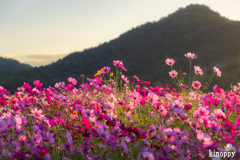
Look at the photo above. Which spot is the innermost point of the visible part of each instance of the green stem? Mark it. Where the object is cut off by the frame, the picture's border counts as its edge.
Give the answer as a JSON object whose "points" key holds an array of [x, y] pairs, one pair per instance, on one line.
{"points": [[208, 82], [193, 81], [82, 80], [190, 73]]}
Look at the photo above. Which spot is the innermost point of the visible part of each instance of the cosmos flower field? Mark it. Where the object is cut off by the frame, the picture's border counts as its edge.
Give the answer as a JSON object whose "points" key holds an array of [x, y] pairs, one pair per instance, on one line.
{"points": [[111, 117]]}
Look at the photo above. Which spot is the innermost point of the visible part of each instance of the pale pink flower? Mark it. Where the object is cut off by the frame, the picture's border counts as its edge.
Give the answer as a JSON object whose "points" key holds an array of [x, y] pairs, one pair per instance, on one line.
{"points": [[152, 97], [205, 139], [190, 55], [196, 84], [218, 113], [37, 113], [136, 97], [173, 73], [198, 70], [170, 62], [137, 79], [72, 80], [18, 121], [125, 78], [217, 71]]}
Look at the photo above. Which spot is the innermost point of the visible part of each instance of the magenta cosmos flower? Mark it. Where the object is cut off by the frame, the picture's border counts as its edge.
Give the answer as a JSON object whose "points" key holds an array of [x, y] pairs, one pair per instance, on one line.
{"points": [[173, 73], [237, 122], [105, 70], [170, 62], [190, 55], [217, 71], [196, 84], [117, 63]]}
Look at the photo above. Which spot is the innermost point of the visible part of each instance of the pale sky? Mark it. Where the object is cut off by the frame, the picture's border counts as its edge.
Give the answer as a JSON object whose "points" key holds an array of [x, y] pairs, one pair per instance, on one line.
{"points": [[38, 32]]}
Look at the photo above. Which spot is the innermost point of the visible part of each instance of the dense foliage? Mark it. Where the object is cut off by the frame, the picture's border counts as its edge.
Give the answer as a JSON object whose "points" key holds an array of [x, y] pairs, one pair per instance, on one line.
{"points": [[113, 118], [8, 64]]}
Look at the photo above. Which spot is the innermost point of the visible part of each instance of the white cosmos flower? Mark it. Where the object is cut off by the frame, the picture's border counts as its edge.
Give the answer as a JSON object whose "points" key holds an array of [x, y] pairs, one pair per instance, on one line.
{"points": [[229, 148]]}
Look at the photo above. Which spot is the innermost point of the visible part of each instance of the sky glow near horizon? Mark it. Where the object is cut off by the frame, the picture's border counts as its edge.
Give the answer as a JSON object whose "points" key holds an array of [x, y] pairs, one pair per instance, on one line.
{"points": [[40, 32]]}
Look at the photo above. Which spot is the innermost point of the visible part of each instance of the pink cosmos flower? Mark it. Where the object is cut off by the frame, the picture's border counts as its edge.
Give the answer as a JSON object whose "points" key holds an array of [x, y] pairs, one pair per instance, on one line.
{"points": [[237, 122], [69, 137], [198, 70], [124, 78], [105, 70], [137, 79], [205, 121], [16, 146], [124, 145], [170, 62], [188, 106], [22, 138], [205, 139], [37, 137], [50, 137], [135, 97], [162, 110], [176, 104], [218, 113], [72, 80], [209, 101], [152, 97], [117, 63], [200, 112], [124, 68], [37, 113], [38, 84], [173, 73], [18, 121], [218, 90], [214, 127], [217, 71], [190, 55], [142, 102], [169, 134], [145, 155], [196, 84], [194, 124], [184, 74]]}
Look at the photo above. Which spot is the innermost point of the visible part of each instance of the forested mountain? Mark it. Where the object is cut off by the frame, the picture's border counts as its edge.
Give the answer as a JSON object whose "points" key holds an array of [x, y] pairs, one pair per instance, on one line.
{"points": [[8, 64], [144, 49]]}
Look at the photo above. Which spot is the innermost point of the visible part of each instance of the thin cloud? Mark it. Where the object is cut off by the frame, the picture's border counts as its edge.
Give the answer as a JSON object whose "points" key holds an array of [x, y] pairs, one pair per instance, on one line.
{"points": [[37, 60], [45, 56]]}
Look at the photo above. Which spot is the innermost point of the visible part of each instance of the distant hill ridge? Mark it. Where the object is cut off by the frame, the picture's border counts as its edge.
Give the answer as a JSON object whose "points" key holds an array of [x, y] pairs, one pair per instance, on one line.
{"points": [[8, 64], [144, 49]]}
